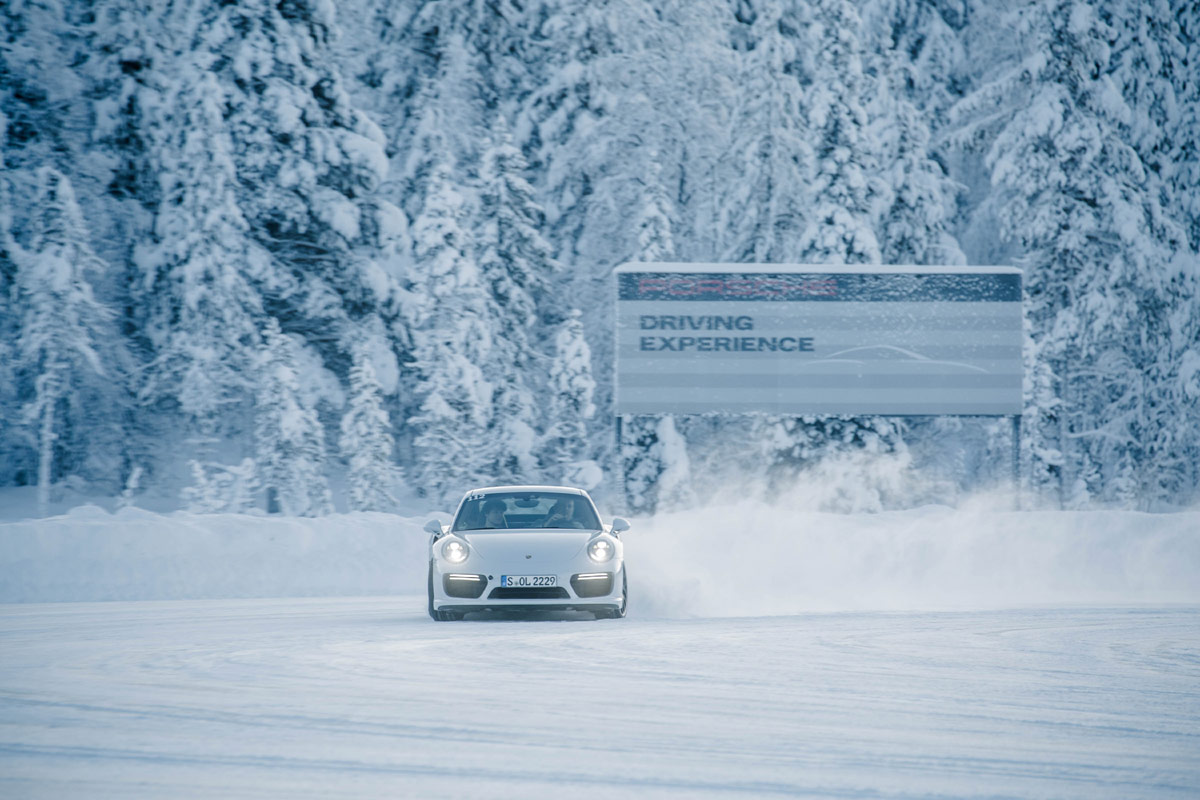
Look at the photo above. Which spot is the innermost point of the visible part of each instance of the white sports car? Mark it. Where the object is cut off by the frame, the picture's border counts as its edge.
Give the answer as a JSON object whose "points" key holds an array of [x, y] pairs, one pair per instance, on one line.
{"points": [[526, 548]]}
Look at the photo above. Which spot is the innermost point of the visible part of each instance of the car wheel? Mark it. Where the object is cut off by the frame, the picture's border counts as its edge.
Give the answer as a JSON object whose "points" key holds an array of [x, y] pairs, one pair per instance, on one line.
{"points": [[619, 612], [432, 612]]}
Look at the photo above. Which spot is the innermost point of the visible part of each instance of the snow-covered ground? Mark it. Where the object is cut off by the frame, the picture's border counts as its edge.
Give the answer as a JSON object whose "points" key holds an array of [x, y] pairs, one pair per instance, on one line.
{"points": [[924, 653], [369, 698]]}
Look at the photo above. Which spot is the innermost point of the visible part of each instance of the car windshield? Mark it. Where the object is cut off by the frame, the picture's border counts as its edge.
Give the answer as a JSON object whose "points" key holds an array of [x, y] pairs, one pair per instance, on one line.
{"points": [[526, 510]]}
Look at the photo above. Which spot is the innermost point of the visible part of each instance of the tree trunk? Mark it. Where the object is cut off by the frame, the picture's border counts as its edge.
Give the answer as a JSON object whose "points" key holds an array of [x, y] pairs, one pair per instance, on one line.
{"points": [[46, 437]]}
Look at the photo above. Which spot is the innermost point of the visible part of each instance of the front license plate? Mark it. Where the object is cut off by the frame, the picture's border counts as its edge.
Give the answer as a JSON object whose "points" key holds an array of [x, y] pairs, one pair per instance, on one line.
{"points": [[528, 580]]}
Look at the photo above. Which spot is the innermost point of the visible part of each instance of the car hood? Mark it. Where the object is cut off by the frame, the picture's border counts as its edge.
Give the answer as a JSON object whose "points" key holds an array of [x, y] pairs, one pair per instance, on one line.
{"points": [[514, 545]]}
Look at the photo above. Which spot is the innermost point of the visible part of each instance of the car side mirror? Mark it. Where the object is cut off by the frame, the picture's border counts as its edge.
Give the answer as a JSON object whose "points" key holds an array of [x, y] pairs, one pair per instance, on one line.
{"points": [[619, 525], [434, 527]]}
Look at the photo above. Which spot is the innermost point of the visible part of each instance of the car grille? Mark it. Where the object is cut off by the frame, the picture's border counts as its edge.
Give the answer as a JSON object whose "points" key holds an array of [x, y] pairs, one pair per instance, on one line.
{"points": [[528, 593], [592, 584], [464, 585]]}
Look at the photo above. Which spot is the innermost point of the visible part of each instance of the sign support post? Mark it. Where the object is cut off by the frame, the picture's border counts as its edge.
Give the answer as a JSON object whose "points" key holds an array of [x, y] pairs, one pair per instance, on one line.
{"points": [[1016, 460], [620, 451]]}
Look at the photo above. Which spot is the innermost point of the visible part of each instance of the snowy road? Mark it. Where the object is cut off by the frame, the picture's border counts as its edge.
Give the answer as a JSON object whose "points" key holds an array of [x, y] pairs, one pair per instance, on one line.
{"points": [[368, 697]]}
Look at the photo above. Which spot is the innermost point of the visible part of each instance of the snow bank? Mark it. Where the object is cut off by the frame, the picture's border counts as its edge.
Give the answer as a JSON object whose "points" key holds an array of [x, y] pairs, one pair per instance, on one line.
{"points": [[90, 554], [736, 560]]}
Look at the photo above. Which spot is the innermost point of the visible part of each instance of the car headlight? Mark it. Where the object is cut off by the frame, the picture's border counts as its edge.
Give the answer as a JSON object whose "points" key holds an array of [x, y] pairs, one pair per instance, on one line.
{"points": [[455, 551], [601, 550]]}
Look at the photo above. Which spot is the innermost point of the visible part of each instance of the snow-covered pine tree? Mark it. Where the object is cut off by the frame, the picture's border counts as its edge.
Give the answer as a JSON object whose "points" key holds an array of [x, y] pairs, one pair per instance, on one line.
{"points": [[657, 467], [203, 496], [447, 68], [913, 66], [641, 463], [68, 356], [515, 259], [57, 117], [11, 456], [594, 124], [674, 484], [845, 197], [1183, 136], [915, 227], [308, 165], [41, 90], [564, 447], [1102, 283], [289, 439], [494, 30], [464, 57], [846, 193], [448, 125], [923, 52], [129, 69], [655, 241], [221, 489], [1147, 53], [657, 476], [517, 266], [1138, 317], [690, 65], [453, 336], [201, 309], [594, 129], [585, 126], [1156, 64], [435, 72], [561, 109], [366, 442], [770, 161]]}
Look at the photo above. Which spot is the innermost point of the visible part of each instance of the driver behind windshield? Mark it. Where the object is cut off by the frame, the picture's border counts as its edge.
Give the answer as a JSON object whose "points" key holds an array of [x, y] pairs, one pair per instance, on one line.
{"points": [[493, 514]]}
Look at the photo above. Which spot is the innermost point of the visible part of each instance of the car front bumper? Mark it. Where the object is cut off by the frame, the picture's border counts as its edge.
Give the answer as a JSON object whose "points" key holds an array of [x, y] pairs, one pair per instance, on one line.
{"points": [[467, 590]]}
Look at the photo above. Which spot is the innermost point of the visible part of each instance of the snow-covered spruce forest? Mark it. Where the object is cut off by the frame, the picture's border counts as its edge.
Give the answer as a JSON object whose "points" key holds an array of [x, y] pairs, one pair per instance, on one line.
{"points": [[315, 255]]}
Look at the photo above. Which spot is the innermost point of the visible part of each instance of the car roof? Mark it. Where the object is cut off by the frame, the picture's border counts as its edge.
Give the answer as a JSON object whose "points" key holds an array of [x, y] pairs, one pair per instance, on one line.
{"points": [[530, 488]]}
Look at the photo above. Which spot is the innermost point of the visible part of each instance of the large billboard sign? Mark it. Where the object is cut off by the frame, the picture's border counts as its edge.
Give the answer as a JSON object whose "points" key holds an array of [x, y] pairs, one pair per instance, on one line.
{"points": [[812, 339]]}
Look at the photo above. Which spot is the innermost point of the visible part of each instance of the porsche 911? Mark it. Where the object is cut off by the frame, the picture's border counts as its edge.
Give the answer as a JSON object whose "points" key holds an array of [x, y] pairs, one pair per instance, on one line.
{"points": [[526, 548]]}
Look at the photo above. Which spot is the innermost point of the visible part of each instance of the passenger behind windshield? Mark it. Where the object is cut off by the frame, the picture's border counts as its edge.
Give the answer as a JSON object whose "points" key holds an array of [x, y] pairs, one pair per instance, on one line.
{"points": [[514, 510], [562, 515]]}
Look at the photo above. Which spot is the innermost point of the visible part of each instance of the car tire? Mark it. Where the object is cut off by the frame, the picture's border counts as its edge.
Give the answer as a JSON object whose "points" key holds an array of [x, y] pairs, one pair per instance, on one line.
{"points": [[617, 613], [432, 612], [446, 615]]}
